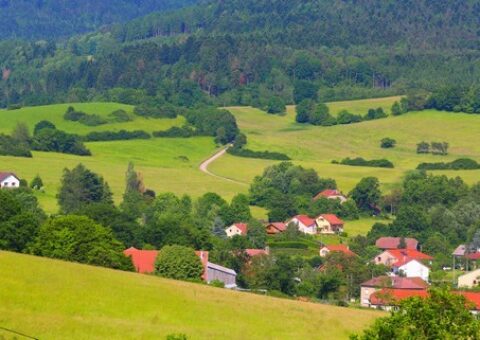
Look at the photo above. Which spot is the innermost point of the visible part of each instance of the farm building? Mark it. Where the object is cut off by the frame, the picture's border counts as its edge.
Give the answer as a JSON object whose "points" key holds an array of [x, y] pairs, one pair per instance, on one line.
{"points": [[237, 229], [9, 180], [276, 228], [331, 194], [305, 224], [411, 268]]}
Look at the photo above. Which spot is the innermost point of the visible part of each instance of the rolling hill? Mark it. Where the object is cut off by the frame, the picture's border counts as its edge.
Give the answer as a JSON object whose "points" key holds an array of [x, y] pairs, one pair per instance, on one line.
{"points": [[50, 299]]}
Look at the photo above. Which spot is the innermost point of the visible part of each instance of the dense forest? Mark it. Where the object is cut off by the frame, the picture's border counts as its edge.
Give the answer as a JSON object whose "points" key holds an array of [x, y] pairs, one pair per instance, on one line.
{"points": [[254, 53], [46, 19]]}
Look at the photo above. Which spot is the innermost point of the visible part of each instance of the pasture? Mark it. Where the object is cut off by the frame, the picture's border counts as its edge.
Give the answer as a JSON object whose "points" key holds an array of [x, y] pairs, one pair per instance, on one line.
{"points": [[50, 299]]}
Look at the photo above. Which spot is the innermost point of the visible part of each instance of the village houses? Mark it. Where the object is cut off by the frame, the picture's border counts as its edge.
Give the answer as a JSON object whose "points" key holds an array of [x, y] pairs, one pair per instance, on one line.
{"points": [[341, 248], [331, 194], [407, 262], [329, 224], [237, 229], [386, 243], [304, 224]]}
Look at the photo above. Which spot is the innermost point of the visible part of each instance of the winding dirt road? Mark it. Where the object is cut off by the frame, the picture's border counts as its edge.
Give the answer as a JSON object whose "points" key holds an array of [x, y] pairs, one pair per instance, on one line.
{"points": [[204, 166]]}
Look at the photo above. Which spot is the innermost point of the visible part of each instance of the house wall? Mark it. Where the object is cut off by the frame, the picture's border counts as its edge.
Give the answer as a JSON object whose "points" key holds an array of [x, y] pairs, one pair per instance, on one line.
{"points": [[232, 231], [385, 258], [469, 280], [415, 269], [10, 182], [365, 293], [226, 278], [311, 230], [324, 226]]}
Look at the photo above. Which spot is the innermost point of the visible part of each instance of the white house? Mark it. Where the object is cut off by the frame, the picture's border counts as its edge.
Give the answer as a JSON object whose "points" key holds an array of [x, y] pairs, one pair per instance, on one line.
{"points": [[237, 229], [305, 224], [9, 180], [412, 268], [469, 280], [329, 224], [331, 194]]}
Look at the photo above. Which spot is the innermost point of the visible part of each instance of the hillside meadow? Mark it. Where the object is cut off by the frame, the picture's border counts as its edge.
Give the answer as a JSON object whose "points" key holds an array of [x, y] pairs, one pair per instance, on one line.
{"points": [[316, 147], [50, 299]]}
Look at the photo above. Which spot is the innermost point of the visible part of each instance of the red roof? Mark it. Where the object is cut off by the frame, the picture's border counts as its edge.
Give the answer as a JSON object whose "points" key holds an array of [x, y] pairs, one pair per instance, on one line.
{"points": [[332, 219], [396, 282], [143, 260], [256, 252], [280, 226], [388, 296], [5, 175], [473, 297], [328, 193], [341, 248], [393, 243], [307, 221], [473, 256], [406, 255], [243, 227]]}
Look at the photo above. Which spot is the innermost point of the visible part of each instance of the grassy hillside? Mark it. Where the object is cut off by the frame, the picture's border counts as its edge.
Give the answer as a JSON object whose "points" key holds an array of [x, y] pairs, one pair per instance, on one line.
{"points": [[58, 300], [316, 147]]}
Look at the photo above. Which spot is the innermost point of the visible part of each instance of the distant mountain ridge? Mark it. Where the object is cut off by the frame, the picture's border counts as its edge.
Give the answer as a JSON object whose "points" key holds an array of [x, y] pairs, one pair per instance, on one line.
{"points": [[51, 19]]}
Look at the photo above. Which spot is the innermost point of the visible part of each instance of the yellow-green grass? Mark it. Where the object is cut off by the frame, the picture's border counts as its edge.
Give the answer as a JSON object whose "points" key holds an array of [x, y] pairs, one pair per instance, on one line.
{"points": [[54, 113], [167, 165], [50, 299], [315, 147], [362, 106], [362, 226]]}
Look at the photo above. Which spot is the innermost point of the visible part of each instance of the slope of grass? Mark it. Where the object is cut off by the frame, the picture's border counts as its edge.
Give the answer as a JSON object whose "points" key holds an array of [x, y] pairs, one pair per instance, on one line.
{"points": [[54, 113], [51, 299], [315, 147], [362, 106]]}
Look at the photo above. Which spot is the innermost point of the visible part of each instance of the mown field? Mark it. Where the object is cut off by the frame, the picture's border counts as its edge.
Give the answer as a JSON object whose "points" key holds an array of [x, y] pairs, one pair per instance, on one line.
{"points": [[50, 299], [316, 147]]}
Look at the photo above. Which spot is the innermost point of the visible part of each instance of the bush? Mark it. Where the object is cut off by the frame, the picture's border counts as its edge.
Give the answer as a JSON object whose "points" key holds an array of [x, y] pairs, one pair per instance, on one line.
{"points": [[97, 136], [9, 147], [175, 132], [373, 114], [345, 117], [459, 164], [44, 124], [12, 107], [166, 111], [258, 154], [178, 262], [375, 163], [120, 116], [289, 244], [36, 183], [83, 118], [387, 143], [59, 141]]}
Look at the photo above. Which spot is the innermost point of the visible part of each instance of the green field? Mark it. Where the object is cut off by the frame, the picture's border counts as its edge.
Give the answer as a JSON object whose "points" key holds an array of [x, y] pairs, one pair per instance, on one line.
{"points": [[50, 299], [315, 147]]}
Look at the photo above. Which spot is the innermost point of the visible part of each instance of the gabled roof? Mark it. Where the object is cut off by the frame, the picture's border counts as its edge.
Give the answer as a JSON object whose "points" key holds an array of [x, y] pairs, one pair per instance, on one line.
{"points": [[405, 261], [408, 254], [243, 227], [460, 250], [256, 252], [473, 256], [221, 268], [5, 175], [332, 219], [280, 226], [396, 282], [143, 260], [394, 242], [340, 248], [328, 193], [472, 297], [307, 221], [388, 296]]}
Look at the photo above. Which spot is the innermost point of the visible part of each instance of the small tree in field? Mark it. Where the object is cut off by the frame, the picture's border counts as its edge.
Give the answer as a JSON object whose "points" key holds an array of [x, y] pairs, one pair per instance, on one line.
{"points": [[387, 143], [440, 316], [178, 262], [36, 183]]}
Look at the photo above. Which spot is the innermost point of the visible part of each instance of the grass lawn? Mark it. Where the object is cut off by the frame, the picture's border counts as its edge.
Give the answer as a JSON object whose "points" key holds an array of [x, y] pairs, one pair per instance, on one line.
{"points": [[51, 299]]}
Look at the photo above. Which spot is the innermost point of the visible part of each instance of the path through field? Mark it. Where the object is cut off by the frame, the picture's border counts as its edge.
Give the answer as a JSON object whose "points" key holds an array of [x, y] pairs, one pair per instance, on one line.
{"points": [[204, 166]]}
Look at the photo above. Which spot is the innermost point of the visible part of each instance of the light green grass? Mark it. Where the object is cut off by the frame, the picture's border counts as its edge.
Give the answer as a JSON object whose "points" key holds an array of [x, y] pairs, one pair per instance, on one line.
{"points": [[362, 106], [51, 299], [54, 113], [362, 226], [315, 147]]}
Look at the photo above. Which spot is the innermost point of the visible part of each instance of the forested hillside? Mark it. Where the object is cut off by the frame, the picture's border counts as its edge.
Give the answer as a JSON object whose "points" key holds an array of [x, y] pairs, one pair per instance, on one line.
{"points": [[255, 53], [43, 19]]}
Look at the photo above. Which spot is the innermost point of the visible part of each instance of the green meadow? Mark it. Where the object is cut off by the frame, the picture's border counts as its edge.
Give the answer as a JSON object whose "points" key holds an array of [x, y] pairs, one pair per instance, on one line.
{"points": [[50, 299]]}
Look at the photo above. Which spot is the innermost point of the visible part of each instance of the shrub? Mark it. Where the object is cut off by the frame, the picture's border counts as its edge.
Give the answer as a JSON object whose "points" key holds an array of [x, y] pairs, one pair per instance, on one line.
{"points": [[459, 164], [59, 141], [165, 111], [289, 244], [92, 120], [44, 124], [258, 154], [345, 117], [376, 163], [176, 132], [116, 135], [36, 183], [387, 143], [9, 147], [12, 107], [178, 262], [120, 116]]}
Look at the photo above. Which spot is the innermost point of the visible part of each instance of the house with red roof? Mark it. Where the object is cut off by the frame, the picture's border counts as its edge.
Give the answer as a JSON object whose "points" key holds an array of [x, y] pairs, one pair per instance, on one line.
{"points": [[393, 282], [257, 252], [8, 180], [341, 248], [274, 228], [408, 262], [386, 243], [304, 224], [329, 224], [144, 263], [331, 194], [240, 229]]}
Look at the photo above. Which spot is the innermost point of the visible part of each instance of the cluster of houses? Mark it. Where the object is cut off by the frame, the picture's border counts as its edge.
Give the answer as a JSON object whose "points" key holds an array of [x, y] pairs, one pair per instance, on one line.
{"points": [[8, 180]]}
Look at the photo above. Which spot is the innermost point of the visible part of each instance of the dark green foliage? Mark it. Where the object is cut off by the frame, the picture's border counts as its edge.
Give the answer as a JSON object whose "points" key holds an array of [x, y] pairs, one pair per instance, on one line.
{"points": [[213, 122], [367, 194], [96, 136], [9, 147], [423, 147], [36, 183], [84, 118], [375, 163], [436, 317], [304, 110], [288, 244], [459, 164], [304, 90], [177, 262], [81, 187], [375, 114], [276, 105], [165, 111], [176, 132], [439, 148], [44, 124], [388, 143], [321, 116], [120, 116], [345, 117], [258, 154], [79, 239], [54, 140]]}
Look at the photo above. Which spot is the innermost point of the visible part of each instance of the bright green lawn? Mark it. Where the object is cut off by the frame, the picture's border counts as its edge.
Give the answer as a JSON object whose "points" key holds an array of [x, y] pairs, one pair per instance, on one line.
{"points": [[51, 299], [362, 106], [54, 113], [315, 147]]}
